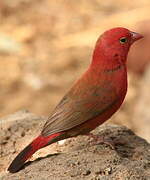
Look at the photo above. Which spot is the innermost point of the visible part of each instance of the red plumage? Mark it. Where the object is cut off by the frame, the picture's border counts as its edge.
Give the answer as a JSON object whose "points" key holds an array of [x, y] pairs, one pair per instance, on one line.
{"points": [[93, 99]]}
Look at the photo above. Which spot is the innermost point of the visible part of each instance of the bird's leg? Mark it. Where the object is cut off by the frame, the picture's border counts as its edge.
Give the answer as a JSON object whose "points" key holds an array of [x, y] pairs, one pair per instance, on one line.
{"points": [[101, 140]]}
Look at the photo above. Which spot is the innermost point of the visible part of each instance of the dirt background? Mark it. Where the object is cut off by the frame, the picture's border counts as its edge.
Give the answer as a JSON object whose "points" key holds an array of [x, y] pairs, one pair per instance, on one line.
{"points": [[46, 45]]}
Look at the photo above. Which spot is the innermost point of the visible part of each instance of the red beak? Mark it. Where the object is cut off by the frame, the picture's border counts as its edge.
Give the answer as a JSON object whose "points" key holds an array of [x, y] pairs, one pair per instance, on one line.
{"points": [[135, 36]]}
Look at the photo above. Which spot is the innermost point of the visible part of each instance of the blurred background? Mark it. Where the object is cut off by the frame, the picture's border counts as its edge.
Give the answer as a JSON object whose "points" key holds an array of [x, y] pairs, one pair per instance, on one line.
{"points": [[46, 45]]}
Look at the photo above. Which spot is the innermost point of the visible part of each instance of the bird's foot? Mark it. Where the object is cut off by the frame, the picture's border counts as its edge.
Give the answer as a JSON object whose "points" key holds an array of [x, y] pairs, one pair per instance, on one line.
{"points": [[101, 140]]}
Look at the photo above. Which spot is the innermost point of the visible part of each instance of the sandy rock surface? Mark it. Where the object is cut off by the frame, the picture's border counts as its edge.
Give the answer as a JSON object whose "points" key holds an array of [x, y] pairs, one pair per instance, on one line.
{"points": [[77, 158]]}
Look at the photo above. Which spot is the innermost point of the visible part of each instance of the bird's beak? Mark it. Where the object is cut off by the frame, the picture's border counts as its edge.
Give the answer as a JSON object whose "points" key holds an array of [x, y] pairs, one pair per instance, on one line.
{"points": [[135, 36]]}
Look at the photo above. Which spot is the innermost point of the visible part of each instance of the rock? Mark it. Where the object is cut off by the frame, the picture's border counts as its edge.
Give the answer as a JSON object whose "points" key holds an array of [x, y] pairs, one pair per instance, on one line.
{"points": [[16, 131], [82, 160]]}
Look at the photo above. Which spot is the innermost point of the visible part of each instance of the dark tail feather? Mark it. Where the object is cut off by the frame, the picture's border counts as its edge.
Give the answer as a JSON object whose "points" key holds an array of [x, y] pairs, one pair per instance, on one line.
{"points": [[18, 162], [28, 151]]}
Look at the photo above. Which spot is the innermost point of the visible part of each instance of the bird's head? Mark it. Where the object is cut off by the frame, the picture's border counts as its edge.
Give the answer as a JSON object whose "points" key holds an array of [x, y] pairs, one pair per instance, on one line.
{"points": [[113, 45]]}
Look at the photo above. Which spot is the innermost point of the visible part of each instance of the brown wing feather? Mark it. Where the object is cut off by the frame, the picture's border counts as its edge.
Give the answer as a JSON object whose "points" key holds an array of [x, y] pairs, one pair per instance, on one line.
{"points": [[79, 106]]}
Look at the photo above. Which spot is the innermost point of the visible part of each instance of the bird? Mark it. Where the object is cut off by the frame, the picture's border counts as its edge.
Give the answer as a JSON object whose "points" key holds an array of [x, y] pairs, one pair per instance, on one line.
{"points": [[92, 99]]}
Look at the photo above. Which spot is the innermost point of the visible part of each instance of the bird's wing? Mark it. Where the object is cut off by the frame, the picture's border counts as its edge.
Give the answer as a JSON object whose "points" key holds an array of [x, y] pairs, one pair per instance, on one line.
{"points": [[75, 109]]}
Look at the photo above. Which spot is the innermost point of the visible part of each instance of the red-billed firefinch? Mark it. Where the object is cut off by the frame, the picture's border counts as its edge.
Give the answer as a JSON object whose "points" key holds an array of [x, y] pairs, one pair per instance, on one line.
{"points": [[93, 99]]}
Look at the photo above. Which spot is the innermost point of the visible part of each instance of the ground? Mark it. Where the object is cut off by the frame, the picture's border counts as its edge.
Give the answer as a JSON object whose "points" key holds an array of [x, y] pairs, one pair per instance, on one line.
{"points": [[76, 158]]}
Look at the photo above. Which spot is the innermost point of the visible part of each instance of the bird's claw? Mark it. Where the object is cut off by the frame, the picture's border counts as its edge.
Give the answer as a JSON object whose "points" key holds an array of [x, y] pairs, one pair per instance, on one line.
{"points": [[101, 140]]}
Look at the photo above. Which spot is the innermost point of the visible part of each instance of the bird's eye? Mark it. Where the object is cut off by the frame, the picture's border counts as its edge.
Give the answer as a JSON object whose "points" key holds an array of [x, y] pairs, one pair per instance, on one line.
{"points": [[123, 40]]}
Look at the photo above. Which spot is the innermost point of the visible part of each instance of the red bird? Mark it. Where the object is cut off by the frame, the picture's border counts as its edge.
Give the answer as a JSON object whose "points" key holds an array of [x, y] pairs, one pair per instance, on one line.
{"points": [[93, 99]]}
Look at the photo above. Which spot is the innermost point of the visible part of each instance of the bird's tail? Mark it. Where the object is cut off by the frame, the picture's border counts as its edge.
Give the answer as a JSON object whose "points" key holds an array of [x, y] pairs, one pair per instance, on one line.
{"points": [[29, 150]]}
